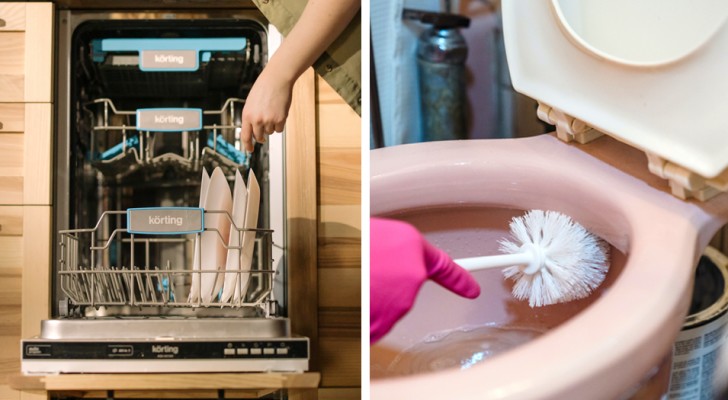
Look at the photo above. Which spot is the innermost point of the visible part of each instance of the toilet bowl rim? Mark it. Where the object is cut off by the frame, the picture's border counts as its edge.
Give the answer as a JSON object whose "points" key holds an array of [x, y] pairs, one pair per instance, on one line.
{"points": [[675, 280]]}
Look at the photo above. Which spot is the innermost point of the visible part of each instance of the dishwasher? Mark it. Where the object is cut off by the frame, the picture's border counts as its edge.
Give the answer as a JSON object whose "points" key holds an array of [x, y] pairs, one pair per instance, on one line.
{"points": [[148, 111]]}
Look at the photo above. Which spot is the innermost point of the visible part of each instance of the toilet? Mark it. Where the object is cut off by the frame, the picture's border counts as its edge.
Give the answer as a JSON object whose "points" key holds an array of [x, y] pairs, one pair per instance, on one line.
{"points": [[637, 158]]}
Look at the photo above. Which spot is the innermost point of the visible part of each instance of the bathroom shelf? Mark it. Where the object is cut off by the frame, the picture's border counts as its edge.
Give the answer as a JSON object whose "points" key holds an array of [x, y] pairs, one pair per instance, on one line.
{"points": [[174, 385]]}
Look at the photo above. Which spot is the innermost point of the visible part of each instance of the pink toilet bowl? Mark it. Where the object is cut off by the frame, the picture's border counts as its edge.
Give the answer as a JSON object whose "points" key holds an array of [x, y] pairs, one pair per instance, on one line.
{"points": [[461, 195]]}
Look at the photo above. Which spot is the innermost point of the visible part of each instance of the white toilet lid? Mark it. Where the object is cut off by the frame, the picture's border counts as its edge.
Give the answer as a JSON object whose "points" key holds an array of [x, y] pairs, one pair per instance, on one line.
{"points": [[652, 73]]}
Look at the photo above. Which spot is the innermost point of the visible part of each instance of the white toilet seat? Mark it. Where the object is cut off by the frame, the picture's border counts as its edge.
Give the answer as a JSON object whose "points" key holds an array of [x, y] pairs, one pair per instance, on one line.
{"points": [[625, 332], [673, 109]]}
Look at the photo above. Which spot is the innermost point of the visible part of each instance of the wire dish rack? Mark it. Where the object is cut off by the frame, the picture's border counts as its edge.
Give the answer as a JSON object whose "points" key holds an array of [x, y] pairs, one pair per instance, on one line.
{"points": [[123, 142], [123, 268]]}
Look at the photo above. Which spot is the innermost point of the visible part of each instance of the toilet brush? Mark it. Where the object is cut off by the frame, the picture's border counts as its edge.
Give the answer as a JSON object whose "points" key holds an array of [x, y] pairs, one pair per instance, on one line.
{"points": [[552, 259]]}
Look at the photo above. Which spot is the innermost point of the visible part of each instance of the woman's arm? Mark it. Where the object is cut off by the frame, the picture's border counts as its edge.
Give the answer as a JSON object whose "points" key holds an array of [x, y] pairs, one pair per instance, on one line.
{"points": [[267, 104]]}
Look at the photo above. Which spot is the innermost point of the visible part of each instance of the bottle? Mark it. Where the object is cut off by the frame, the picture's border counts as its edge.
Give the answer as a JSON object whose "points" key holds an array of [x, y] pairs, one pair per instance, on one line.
{"points": [[441, 55]]}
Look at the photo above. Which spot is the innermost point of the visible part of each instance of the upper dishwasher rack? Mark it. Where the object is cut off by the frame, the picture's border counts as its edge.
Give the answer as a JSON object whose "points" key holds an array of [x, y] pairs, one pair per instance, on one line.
{"points": [[178, 67], [122, 142]]}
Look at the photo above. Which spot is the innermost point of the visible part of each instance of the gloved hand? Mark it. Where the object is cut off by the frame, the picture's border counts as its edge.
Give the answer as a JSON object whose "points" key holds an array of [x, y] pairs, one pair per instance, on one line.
{"points": [[401, 260]]}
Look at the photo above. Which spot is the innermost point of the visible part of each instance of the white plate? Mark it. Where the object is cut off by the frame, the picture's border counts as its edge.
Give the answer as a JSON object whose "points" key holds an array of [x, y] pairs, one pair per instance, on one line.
{"points": [[213, 249], [251, 222], [240, 201], [195, 288]]}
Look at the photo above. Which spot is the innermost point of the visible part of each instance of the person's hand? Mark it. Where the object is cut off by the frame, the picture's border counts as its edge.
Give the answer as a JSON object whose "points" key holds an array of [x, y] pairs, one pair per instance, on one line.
{"points": [[266, 107], [401, 260], [267, 104]]}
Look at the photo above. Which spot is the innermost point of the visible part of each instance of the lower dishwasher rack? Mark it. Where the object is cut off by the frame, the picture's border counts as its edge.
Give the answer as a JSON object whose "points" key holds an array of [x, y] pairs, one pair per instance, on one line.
{"points": [[111, 270]]}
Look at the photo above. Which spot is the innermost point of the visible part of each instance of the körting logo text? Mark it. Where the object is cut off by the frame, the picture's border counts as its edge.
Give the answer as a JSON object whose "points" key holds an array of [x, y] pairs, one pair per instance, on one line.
{"points": [[168, 59], [165, 220], [165, 349], [169, 119]]}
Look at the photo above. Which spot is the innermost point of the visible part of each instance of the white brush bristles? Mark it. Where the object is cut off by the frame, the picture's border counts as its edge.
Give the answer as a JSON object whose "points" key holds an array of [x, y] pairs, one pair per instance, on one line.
{"points": [[575, 261]]}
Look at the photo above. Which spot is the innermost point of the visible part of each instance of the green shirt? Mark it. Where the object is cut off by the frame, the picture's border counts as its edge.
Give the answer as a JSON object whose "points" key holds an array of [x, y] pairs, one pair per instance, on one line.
{"points": [[340, 65]]}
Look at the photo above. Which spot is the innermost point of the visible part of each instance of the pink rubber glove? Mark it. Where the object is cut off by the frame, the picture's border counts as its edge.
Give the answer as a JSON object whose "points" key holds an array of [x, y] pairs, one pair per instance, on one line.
{"points": [[401, 260]]}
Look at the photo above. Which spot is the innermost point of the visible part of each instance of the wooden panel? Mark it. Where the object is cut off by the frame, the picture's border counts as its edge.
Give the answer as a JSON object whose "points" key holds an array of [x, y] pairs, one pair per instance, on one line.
{"points": [[341, 361], [6, 393], [9, 335], [340, 221], [11, 253], [25, 157], [339, 124], [11, 154], [36, 268], [301, 208], [11, 190], [26, 72], [340, 176], [39, 56], [167, 382], [10, 284], [340, 287], [12, 118], [339, 394], [11, 168], [9, 357], [12, 17], [11, 221], [9, 320], [12, 51], [339, 252], [37, 154], [340, 322], [339, 240]]}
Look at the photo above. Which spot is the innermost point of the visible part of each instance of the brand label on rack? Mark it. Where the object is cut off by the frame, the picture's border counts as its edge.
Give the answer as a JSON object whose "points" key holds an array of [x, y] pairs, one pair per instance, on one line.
{"points": [[168, 60], [169, 119], [161, 220]]}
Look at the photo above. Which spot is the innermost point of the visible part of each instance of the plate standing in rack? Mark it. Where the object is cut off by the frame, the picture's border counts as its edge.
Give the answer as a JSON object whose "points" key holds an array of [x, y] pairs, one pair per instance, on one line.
{"points": [[217, 231], [195, 288], [233, 285]]}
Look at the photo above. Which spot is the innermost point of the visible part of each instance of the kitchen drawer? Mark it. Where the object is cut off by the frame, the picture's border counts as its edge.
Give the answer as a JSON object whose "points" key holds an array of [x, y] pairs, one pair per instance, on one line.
{"points": [[26, 52], [25, 153]]}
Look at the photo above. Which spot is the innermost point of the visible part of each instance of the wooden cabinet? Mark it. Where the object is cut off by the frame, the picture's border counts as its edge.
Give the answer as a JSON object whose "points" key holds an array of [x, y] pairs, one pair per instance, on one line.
{"points": [[26, 52], [26, 79]]}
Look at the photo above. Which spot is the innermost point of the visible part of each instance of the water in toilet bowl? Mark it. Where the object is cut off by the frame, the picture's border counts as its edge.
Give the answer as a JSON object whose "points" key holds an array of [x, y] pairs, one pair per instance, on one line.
{"points": [[460, 348], [444, 331]]}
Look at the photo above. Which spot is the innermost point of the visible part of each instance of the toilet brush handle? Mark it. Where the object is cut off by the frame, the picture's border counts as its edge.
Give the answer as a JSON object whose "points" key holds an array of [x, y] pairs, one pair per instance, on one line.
{"points": [[498, 261]]}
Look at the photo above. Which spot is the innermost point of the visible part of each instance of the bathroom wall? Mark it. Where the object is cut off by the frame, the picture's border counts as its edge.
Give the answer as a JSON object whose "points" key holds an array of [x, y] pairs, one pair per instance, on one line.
{"points": [[494, 110], [394, 44]]}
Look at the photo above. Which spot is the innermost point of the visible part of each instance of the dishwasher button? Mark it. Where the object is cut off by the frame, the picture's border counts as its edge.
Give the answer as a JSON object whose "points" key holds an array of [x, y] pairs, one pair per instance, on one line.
{"points": [[269, 351], [229, 352], [256, 351], [282, 350], [242, 352]]}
